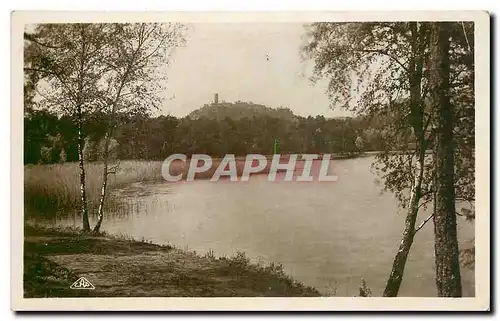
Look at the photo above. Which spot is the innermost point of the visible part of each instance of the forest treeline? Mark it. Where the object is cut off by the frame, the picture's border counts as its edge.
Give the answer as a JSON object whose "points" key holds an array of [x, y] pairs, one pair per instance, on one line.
{"points": [[216, 129]]}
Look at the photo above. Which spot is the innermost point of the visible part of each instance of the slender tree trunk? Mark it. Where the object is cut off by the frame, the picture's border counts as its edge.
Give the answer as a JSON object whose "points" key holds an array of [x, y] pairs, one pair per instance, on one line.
{"points": [[415, 68], [104, 185], [398, 266], [83, 195], [109, 134], [448, 279]]}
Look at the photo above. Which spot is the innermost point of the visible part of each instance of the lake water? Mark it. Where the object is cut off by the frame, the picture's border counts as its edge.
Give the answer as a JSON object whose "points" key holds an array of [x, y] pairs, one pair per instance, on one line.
{"points": [[326, 234]]}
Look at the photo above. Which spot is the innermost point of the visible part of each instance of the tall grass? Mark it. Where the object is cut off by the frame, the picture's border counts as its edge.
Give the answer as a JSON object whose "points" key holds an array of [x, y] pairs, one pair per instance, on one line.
{"points": [[54, 189]]}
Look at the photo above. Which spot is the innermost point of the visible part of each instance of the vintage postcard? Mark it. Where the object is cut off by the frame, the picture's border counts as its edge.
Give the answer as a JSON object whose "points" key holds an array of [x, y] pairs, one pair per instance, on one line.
{"points": [[297, 161]]}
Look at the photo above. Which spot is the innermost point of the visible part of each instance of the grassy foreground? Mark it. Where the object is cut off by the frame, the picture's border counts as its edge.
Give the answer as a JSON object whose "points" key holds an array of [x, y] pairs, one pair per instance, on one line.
{"points": [[118, 267]]}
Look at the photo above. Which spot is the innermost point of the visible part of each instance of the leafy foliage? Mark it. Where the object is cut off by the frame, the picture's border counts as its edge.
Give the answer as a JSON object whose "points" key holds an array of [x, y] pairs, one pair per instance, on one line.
{"points": [[380, 70]]}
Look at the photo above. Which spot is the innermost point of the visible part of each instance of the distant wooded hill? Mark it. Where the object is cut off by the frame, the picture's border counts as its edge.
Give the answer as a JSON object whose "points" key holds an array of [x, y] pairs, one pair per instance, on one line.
{"points": [[239, 110]]}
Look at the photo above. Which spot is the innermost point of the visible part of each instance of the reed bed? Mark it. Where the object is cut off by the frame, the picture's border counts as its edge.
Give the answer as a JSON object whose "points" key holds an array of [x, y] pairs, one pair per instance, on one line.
{"points": [[55, 189]]}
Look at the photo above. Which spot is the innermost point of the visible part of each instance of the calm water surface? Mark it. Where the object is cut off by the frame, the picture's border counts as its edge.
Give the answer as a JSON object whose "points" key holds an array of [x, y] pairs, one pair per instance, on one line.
{"points": [[328, 235]]}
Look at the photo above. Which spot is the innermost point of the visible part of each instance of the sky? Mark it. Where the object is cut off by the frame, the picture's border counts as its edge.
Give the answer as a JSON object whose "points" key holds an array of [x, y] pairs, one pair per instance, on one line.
{"points": [[257, 62]]}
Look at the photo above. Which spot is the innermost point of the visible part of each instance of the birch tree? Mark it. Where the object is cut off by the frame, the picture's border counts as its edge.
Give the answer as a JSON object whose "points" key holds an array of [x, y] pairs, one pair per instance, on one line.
{"points": [[137, 60], [67, 60], [99, 69], [380, 70]]}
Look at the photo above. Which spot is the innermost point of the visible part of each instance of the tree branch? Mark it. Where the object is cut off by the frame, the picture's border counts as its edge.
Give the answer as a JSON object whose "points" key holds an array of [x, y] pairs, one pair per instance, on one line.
{"points": [[425, 202], [31, 38], [385, 53], [423, 223], [42, 71], [112, 170]]}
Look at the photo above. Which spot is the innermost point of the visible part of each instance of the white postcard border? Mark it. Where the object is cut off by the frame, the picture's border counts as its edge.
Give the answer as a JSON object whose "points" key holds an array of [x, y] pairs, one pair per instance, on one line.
{"points": [[482, 129]]}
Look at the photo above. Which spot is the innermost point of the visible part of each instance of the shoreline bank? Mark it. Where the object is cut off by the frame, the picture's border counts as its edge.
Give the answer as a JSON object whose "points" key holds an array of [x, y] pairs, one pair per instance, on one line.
{"points": [[54, 258]]}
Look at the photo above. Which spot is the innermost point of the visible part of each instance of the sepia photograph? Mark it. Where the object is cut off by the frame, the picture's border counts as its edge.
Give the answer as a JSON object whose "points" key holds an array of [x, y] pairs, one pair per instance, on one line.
{"points": [[168, 159]]}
